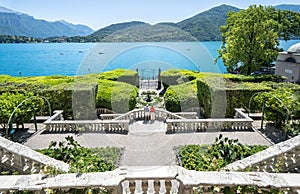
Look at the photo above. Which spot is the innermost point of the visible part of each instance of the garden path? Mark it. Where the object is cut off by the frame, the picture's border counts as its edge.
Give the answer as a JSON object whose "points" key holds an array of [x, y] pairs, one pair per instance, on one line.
{"points": [[146, 144]]}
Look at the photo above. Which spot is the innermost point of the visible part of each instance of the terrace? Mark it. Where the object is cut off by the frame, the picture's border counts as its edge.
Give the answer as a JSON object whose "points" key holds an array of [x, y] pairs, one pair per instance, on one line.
{"points": [[168, 178]]}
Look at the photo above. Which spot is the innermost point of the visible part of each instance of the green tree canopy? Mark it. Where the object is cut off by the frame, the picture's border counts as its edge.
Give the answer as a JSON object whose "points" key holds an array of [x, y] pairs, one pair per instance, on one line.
{"points": [[251, 37]]}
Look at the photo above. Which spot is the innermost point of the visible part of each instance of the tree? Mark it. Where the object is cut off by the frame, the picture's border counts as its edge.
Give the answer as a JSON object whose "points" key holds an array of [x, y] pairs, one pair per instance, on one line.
{"points": [[250, 39]]}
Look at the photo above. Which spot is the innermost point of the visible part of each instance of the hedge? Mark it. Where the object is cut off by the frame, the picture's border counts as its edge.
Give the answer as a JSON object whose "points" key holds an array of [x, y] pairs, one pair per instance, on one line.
{"points": [[117, 96], [121, 75], [181, 97], [177, 76], [218, 94], [219, 97], [77, 95]]}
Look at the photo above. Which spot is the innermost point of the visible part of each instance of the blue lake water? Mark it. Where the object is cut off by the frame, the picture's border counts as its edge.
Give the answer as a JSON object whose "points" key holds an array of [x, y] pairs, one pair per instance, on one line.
{"points": [[84, 58]]}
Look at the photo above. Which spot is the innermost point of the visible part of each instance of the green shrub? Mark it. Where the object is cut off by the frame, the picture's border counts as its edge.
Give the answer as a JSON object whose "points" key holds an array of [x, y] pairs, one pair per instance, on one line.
{"points": [[117, 96], [219, 97], [177, 76], [181, 97], [281, 104], [27, 105], [121, 75], [83, 159], [216, 156]]}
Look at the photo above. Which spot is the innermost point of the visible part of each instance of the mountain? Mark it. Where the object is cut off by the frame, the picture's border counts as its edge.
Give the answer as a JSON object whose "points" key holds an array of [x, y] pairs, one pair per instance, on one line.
{"points": [[103, 32], [19, 24], [206, 25], [290, 7], [203, 26], [82, 29], [149, 33]]}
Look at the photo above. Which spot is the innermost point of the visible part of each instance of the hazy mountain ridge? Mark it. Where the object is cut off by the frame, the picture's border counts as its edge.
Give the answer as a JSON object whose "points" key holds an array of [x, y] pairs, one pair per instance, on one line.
{"points": [[203, 26], [18, 24], [295, 8]]}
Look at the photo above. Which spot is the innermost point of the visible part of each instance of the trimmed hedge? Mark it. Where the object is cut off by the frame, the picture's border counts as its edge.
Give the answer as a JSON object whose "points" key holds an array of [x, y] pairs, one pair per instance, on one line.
{"points": [[218, 94], [121, 75], [79, 95], [177, 76], [219, 97], [181, 97], [117, 96]]}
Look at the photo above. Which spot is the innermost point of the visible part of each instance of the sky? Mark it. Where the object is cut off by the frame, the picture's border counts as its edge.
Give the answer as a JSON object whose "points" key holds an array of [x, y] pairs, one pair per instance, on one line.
{"points": [[100, 13]]}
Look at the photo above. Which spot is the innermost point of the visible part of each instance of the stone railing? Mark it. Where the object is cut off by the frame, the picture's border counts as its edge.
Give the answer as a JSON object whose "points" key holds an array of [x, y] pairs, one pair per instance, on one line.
{"points": [[200, 125], [282, 157], [17, 157], [166, 179], [139, 114], [57, 124], [100, 111], [57, 116], [241, 122], [187, 115], [88, 126], [109, 116], [240, 114]]}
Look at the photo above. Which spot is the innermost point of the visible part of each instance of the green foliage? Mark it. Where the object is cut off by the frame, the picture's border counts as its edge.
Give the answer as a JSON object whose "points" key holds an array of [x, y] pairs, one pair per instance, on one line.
{"points": [[281, 104], [181, 97], [83, 159], [8, 103], [121, 75], [219, 96], [211, 158], [292, 129], [117, 96], [178, 76], [67, 92], [251, 37]]}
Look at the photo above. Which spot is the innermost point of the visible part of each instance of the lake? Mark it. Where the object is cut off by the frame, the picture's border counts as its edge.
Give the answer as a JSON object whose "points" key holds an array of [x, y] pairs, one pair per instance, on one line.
{"points": [[84, 58]]}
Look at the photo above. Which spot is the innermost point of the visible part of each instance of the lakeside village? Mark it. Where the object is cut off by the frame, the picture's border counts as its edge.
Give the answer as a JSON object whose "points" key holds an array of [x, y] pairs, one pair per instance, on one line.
{"points": [[180, 132]]}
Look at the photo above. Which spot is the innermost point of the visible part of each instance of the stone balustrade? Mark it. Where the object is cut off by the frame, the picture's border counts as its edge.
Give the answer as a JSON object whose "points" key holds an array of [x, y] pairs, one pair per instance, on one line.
{"points": [[139, 114], [56, 123], [17, 157], [282, 157], [109, 116], [241, 122], [159, 179], [57, 116], [88, 126], [100, 111], [240, 114], [202, 125], [188, 115]]}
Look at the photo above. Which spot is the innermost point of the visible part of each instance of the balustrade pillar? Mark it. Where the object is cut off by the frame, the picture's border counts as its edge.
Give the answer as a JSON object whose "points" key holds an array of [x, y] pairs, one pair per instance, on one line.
{"points": [[168, 186], [132, 186], [145, 186], [157, 186]]}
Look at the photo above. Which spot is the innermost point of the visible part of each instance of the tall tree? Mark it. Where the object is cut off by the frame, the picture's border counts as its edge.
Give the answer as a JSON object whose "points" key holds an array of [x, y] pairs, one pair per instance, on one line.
{"points": [[250, 38]]}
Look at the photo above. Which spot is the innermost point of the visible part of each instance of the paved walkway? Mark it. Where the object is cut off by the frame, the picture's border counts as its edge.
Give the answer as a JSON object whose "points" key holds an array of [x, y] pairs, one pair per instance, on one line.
{"points": [[146, 143]]}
